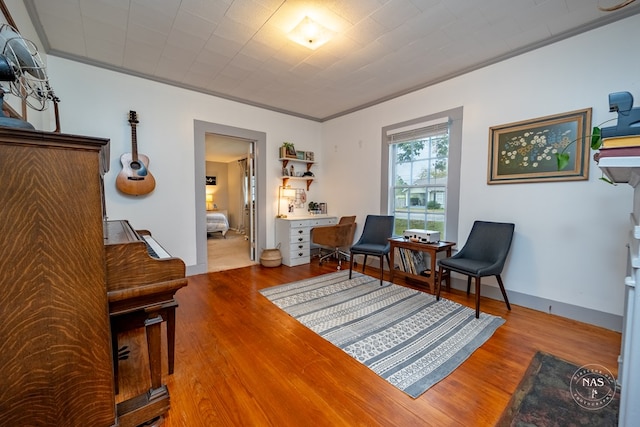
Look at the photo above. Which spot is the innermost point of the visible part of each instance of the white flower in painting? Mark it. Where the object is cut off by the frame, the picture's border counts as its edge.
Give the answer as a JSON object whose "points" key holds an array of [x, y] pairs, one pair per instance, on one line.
{"points": [[535, 164]]}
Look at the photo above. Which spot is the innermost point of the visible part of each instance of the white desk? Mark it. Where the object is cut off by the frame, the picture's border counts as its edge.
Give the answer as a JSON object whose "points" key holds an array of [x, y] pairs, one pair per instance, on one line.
{"points": [[293, 235]]}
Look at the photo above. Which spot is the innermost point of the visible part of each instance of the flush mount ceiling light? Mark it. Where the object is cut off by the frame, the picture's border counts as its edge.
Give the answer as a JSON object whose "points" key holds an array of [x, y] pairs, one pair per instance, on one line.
{"points": [[310, 34]]}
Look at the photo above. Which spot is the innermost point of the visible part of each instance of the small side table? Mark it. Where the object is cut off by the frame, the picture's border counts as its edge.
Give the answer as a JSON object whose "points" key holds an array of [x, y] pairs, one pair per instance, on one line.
{"points": [[432, 249]]}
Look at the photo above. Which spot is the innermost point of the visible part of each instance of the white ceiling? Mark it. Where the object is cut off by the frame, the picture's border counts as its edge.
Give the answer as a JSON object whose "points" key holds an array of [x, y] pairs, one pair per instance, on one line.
{"points": [[239, 50]]}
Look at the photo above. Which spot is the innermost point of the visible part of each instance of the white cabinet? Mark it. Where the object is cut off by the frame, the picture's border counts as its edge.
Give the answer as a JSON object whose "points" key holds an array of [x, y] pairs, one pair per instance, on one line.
{"points": [[294, 237], [627, 170]]}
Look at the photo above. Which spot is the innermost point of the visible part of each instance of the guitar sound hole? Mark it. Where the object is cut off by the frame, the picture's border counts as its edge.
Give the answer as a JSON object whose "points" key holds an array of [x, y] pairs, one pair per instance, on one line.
{"points": [[135, 165]]}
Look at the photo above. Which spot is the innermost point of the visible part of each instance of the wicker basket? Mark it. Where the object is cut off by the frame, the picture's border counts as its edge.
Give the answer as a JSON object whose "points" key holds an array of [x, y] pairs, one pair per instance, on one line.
{"points": [[271, 257]]}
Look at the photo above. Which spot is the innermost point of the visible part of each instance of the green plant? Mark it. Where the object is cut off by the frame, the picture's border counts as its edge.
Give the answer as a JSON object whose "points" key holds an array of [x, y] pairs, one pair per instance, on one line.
{"points": [[596, 141], [433, 205], [288, 145]]}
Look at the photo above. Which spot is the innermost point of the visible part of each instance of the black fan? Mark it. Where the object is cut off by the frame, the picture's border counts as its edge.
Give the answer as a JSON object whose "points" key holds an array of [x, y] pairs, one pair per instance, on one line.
{"points": [[23, 74]]}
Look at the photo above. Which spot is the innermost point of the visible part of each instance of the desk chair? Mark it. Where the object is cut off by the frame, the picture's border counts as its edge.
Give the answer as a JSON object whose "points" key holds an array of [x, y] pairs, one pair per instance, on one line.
{"points": [[335, 238]]}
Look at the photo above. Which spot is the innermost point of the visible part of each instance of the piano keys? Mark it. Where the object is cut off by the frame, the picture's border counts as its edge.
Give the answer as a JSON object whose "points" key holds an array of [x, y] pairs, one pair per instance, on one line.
{"points": [[142, 279]]}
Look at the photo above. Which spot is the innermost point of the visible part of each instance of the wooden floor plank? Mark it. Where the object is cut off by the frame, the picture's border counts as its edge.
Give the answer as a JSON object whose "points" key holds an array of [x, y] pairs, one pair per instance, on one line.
{"points": [[241, 361]]}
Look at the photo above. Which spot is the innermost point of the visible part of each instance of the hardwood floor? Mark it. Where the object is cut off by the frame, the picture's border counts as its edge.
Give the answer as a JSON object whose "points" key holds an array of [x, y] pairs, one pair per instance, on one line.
{"points": [[241, 361]]}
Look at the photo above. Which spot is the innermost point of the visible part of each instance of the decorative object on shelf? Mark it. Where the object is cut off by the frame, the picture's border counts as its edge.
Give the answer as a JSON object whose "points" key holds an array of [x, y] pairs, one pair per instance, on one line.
{"points": [[621, 140], [23, 71], [288, 150], [309, 156], [525, 151], [287, 193], [314, 208], [289, 171], [628, 117], [300, 155]]}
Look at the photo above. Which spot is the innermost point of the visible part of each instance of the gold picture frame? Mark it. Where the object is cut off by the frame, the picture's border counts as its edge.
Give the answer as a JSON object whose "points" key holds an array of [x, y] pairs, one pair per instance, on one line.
{"points": [[526, 151]]}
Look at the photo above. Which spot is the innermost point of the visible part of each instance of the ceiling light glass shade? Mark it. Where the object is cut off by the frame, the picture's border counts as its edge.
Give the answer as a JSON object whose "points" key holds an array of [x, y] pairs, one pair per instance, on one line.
{"points": [[310, 34]]}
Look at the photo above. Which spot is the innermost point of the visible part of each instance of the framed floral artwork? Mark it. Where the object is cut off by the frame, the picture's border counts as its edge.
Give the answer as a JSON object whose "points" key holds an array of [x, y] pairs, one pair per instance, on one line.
{"points": [[526, 151]]}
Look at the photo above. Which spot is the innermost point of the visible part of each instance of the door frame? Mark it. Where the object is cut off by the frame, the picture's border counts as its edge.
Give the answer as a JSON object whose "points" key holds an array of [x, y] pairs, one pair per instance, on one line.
{"points": [[200, 130]]}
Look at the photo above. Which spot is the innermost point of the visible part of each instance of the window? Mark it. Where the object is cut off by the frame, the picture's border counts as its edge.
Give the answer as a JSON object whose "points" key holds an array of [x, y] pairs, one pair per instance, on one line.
{"points": [[422, 163]]}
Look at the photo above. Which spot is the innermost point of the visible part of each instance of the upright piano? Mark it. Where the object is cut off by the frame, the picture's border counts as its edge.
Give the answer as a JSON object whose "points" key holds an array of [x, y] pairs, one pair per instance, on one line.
{"points": [[142, 279], [57, 296]]}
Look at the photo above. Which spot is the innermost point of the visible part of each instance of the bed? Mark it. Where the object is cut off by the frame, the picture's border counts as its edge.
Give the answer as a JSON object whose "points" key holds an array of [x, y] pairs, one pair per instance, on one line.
{"points": [[217, 222]]}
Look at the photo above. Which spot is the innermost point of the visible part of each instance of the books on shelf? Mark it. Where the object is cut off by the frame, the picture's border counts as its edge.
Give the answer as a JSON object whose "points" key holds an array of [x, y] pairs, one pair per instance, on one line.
{"points": [[617, 152], [412, 262], [619, 146], [621, 141]]}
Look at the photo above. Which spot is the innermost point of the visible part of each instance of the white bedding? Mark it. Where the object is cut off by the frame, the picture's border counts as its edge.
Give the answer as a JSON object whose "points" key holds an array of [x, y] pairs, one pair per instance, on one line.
{"points": [[217, 221]]}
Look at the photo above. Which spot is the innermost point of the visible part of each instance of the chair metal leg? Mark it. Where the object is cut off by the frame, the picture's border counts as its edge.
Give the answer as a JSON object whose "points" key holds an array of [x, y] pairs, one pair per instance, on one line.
{"points": [[468, 285], [364, 263], [381, 269], [504, 292], [329, 255]]}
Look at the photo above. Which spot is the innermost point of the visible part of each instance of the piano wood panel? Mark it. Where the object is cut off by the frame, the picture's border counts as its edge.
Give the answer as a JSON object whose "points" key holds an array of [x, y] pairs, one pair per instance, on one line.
{"points": [[55, 354]]}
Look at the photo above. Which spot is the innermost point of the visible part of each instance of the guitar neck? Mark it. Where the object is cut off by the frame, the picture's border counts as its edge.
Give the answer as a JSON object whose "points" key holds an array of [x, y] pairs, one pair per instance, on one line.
{"points": [[134, 143]]}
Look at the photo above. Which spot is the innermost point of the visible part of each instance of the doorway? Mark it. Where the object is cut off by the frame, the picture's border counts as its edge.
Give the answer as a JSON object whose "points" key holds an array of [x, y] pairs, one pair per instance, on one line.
{"points": [[258, 205], [230, 202]]}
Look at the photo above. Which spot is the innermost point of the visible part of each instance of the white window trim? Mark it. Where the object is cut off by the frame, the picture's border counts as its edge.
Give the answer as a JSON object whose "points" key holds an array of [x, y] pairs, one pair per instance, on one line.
{"points": [[455, 155]]}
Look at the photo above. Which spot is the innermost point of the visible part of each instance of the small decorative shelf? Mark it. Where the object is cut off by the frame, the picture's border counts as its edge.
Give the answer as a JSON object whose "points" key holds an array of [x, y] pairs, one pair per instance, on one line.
{"points": [[286, 179]]}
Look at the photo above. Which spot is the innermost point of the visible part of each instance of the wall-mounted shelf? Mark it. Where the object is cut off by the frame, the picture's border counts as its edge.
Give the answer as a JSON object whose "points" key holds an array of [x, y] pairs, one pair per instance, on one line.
{"points": [[286, 179], [307, 179]]}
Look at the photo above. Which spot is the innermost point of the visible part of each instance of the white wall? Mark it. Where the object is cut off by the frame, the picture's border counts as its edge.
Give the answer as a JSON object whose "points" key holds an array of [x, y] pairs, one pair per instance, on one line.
{"points": [[570, 237], [96, 102]]}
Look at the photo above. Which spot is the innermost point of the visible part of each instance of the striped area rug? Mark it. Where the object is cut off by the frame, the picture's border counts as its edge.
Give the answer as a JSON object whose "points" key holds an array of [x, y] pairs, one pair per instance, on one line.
{"points": [[403, 335]]}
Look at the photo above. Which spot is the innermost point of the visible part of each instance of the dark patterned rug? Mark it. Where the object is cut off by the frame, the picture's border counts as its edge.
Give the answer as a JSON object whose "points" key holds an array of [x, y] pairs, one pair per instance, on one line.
{"points": [[555, 392]]}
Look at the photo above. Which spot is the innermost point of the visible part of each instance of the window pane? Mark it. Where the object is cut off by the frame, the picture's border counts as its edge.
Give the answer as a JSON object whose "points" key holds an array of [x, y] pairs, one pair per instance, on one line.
{"points": [[420, 168]]}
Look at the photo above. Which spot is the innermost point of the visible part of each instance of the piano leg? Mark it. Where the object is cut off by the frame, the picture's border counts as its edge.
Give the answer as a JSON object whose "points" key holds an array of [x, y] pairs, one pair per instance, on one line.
{"points": [[153, 332], [170, 311]]}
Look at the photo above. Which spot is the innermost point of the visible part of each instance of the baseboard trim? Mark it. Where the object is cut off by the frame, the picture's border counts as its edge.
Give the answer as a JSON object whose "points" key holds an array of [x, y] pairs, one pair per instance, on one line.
{"points": [[581, 314]]}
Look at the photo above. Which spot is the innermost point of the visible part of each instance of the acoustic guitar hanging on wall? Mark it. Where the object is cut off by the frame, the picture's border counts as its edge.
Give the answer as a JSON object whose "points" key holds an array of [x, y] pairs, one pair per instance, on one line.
{"points": [[135, 178]]}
